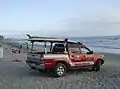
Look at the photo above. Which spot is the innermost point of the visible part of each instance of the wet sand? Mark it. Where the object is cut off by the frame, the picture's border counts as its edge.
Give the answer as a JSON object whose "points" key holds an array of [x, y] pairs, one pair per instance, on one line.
{"points": [[16, 75]]}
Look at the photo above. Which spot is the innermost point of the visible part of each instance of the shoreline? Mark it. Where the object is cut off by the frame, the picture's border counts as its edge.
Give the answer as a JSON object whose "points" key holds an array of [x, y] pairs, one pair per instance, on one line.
{"points": [[115, 54]]}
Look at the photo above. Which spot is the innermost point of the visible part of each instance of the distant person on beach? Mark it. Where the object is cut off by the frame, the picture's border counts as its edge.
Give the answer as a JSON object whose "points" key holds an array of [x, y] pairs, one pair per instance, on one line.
{"points": [[20, 48]]}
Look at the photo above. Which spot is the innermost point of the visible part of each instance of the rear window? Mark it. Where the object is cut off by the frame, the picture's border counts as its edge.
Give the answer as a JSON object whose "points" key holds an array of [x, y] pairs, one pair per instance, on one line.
{"points": [[39, 47]]}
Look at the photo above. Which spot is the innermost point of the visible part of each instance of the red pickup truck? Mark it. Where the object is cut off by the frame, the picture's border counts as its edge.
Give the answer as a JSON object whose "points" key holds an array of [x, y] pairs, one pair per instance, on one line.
{"points": [[60, 55]]}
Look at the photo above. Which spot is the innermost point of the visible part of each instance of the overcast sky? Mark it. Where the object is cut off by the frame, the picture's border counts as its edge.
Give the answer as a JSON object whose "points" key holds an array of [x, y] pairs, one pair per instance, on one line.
{"points": [[59, 17]]}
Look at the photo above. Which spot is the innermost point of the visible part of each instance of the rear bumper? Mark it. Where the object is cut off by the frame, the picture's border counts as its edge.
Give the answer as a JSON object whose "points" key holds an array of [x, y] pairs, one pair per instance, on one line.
{"points": [[34, 65]]}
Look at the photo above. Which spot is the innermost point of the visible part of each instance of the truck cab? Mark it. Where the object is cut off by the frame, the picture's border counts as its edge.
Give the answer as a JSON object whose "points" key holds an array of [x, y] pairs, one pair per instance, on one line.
{"points": [[60, 55]]}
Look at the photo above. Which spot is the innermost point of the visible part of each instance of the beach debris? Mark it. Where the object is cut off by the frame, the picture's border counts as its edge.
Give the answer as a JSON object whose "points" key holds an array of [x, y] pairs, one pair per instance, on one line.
{"points": [[1, 52], [18, 51], [6, 48], [16, 60]]}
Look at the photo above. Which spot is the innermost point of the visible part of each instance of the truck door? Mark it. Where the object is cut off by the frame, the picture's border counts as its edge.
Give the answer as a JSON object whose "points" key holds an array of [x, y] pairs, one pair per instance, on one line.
{"points": [[79, 56], [75, 56], [87, 56]]}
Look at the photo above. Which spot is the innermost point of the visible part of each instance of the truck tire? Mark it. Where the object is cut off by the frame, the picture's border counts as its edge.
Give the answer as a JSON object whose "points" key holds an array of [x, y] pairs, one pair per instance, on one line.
{"points": [[97, 65], [59, 70]]}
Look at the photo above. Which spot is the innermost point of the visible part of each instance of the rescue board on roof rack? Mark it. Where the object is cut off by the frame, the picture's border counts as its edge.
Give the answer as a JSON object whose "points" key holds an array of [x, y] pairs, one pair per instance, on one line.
{"points": [[49, 39]]}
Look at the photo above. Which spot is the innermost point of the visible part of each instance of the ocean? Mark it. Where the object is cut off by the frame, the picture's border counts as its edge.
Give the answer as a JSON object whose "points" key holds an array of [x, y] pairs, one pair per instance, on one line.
{"points": [[106, 44]]}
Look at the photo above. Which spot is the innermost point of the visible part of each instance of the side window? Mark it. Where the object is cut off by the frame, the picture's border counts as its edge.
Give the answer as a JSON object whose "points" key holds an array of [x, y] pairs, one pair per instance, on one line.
{"points": [[74, 50], [84, 50]]}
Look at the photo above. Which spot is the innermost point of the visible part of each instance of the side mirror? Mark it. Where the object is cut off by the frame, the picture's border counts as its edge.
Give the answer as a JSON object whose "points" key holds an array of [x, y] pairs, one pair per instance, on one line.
{"points": [[91, 52]]}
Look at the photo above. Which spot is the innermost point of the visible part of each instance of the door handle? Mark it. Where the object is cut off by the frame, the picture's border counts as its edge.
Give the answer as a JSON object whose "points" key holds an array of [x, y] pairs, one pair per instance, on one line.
{"points": [[72, 56]]}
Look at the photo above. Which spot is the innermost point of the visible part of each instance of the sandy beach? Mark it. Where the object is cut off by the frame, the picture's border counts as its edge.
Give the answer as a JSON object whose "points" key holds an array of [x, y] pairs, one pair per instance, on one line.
{"points": [[16, 75]]}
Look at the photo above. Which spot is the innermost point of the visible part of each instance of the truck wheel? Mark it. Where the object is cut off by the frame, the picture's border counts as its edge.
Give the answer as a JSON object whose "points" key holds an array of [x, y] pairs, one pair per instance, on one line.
{"points": [[59, 70], [98, 65]]}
